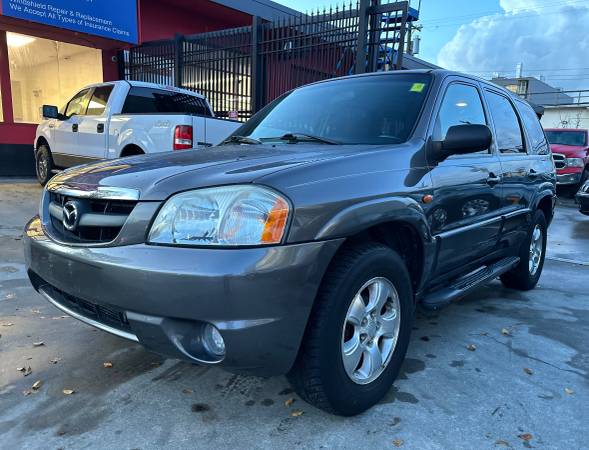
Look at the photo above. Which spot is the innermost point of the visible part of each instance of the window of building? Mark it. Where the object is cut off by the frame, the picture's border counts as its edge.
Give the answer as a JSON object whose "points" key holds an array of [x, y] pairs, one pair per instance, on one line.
{"points": [[507, 128], [522, 87], [461, 106], [48, 72]]}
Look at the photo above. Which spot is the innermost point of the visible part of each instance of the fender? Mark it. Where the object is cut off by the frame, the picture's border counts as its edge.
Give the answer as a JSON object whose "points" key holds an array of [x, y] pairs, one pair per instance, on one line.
{"points": [[131, 136], [43, 131], [363, 215]]}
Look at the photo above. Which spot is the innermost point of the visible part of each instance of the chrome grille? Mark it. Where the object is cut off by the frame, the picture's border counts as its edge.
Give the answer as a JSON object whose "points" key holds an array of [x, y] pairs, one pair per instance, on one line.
{"points": [[98, 220], [559, 160]]}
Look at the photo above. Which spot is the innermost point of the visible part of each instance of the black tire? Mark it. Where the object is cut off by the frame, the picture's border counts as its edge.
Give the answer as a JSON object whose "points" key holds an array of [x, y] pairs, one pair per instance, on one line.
{"points": [[520, 277], [43, 164], [318, 374]]}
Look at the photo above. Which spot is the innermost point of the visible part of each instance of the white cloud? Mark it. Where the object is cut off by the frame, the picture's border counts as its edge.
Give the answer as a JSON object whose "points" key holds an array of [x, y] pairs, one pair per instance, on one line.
{"points": [[510, 5], [528, 32]]}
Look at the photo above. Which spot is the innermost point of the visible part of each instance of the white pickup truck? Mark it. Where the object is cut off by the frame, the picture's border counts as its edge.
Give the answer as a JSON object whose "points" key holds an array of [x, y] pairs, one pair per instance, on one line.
{"points": [[124, 118]]}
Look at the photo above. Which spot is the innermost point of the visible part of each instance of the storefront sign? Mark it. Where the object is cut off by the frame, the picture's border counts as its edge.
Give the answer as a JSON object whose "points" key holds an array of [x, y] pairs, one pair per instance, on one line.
{"points": [[112, 19]]}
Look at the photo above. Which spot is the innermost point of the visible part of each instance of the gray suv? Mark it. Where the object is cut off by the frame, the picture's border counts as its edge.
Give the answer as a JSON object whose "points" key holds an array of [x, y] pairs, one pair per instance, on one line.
{"points": [[303, 243]]}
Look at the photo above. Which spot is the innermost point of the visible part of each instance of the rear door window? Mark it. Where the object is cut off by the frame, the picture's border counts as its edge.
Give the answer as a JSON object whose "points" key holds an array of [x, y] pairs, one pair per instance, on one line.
{"points": [[99, 100], [145, 100], [508, 132]]}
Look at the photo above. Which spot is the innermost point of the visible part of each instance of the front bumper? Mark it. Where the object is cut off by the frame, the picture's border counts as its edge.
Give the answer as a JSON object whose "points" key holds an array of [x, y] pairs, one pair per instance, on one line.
{"points": [[259, 298], [568, 178], [582, 199]]}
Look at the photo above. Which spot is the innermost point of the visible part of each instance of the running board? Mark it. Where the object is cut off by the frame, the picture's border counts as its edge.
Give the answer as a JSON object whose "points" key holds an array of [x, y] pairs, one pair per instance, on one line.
{"points": [[464, 285]]}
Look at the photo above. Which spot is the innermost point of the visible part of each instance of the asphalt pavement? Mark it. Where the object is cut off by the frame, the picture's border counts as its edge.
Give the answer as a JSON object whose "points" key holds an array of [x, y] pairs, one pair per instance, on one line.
{"points": [[498, 369]]}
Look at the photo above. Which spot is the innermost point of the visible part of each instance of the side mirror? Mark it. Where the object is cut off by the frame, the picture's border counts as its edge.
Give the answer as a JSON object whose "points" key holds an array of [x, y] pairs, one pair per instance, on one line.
{"points": [[463, 139], [50, 112]]}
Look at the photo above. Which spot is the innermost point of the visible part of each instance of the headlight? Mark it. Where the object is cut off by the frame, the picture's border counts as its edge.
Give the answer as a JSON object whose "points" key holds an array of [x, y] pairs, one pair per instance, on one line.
{"points": [[575, 162], [222, 216]]}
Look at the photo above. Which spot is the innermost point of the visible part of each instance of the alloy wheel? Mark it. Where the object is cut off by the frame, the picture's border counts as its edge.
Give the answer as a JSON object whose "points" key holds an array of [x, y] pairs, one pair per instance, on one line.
{"points": [[371, 330], [536, 249], [42, 167]]}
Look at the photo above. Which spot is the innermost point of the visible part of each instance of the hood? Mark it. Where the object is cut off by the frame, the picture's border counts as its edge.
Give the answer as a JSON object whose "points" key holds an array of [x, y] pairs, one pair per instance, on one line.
{"points": [[157, 176], [570, 151]]}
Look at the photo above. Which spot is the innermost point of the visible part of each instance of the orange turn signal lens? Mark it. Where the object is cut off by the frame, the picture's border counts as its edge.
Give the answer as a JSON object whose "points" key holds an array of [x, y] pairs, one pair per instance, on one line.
{"points": [[276, 223]]}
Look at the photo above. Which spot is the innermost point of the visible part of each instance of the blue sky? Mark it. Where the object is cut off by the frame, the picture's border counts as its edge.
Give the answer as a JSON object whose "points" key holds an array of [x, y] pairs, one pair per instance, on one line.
{"points": [[488, 37]]}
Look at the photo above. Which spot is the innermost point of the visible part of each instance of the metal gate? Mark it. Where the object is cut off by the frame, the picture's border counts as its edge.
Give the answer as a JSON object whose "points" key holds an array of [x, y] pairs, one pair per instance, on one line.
{"points": [[242, 69]]}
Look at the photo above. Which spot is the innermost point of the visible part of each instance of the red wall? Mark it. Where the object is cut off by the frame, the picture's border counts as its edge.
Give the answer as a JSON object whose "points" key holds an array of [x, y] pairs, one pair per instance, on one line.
{"points": [[163, 19]]}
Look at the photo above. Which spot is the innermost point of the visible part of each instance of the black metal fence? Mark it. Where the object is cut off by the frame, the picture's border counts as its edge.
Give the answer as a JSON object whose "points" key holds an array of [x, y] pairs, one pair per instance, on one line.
{"points": [[241, 69]]}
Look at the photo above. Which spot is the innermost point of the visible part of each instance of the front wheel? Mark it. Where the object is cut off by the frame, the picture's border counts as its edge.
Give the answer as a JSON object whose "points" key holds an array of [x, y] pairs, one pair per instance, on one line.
{"points": [[43, 164], [526, 274], [358, 334]]}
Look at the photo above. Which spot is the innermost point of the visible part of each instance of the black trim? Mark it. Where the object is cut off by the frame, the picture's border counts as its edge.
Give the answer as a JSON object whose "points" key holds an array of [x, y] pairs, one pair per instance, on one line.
{"points": [[64, 160]]}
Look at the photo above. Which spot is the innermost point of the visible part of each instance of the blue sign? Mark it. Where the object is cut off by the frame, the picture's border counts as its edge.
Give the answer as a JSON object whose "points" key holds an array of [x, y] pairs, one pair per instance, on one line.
{"points": [[112, 19]]}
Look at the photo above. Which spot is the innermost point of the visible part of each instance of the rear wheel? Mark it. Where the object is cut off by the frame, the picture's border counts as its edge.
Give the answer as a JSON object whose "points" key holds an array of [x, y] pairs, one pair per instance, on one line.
{"points": [[526, 274], [357, 337], [43, 164]]}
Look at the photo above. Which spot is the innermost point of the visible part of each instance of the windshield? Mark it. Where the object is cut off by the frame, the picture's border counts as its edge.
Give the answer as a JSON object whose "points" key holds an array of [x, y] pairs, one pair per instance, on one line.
{"points": [[577, 137], [365, 110]]}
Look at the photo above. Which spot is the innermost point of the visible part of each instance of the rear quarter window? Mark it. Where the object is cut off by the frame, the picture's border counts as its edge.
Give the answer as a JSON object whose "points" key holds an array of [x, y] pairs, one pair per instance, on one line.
{"points": [[538, 143]]}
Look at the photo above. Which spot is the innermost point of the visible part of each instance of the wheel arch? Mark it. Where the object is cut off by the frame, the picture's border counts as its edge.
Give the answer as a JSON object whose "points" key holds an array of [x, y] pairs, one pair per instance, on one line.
{"points": [[398, 223], [131, 150], [545, 204], [41, 140]]}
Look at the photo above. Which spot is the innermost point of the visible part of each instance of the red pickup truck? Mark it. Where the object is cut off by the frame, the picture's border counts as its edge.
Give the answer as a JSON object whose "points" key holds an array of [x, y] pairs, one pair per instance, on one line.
{"points": [[570, 150]]}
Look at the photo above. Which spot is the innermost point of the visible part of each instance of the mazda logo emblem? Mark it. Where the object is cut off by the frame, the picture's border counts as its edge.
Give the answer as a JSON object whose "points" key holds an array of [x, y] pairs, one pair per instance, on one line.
{"points": [[71, 215]]}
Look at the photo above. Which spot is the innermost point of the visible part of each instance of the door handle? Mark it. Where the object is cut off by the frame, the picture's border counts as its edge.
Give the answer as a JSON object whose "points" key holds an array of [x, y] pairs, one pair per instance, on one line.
{"points": [[75, 127], [532, 174], [100, 128], [493, 179]]}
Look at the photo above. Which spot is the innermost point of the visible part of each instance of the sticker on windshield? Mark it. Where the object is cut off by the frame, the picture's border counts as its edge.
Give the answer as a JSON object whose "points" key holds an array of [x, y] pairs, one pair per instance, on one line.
{"points": [[417, 87]]}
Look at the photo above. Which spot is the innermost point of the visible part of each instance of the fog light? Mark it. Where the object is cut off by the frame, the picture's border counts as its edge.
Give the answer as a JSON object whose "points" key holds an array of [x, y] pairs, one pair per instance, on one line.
{"points": [[213, 340]]}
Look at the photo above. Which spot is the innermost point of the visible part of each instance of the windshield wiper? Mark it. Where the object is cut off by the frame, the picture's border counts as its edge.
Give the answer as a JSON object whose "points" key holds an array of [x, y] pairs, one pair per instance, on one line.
{"points": [[236, 139], [303, 137]]}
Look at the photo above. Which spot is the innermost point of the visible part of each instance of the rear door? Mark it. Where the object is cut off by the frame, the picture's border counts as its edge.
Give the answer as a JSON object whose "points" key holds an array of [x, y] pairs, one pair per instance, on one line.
{"points": [[467, 188], [65, 132], [92, 127], [519, 172]]}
